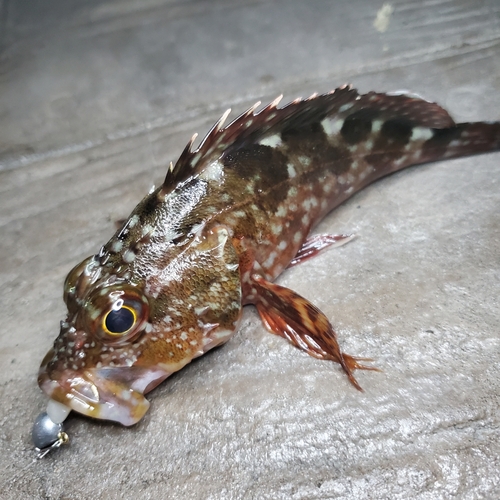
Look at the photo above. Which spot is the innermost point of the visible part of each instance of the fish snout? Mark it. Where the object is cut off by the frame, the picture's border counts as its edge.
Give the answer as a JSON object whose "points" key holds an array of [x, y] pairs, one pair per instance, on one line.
{"points": [[98, 393]]}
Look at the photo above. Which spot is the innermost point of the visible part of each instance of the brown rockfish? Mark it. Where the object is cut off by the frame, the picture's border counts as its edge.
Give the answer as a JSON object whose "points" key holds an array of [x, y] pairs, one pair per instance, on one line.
{"points": [[230, 216]]}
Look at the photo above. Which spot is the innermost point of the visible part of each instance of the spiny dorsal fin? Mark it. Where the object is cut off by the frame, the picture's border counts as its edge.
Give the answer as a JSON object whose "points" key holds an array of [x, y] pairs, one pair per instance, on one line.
{"points": [[252, 126]]}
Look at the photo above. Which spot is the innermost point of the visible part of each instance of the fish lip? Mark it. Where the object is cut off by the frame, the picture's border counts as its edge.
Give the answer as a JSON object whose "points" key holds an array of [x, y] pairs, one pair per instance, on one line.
{"points": [[99, 392]]}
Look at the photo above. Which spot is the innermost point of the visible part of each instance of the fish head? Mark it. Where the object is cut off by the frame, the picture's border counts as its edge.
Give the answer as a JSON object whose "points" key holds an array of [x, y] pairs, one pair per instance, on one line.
{"points": [[133, 322]]}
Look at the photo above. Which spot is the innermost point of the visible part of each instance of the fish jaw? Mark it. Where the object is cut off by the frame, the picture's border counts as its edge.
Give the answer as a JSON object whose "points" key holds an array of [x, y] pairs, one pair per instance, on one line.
{"points": [[115, 394]]}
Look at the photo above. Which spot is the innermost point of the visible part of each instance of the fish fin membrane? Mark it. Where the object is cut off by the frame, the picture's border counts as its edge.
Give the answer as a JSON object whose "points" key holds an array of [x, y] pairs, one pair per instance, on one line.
{"points": [[318, 242], [287, 314], [252, 125]]}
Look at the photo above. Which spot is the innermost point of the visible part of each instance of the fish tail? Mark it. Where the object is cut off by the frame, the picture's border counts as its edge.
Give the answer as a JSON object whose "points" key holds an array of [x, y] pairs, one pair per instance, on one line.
{"points": [[463, 139], [351, 363]]}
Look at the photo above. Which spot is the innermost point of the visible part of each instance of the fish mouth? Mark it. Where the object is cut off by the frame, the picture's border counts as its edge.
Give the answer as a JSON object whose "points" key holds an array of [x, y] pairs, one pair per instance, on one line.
{"points": [[115, 394]]}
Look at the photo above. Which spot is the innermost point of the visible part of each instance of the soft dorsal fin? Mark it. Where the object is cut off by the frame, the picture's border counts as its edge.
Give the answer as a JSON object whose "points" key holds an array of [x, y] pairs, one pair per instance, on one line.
{"points": [[252, 126]]}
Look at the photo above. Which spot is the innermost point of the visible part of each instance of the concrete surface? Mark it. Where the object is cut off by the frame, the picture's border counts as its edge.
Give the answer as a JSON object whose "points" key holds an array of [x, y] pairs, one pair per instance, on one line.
{"points": [[96, 97]]}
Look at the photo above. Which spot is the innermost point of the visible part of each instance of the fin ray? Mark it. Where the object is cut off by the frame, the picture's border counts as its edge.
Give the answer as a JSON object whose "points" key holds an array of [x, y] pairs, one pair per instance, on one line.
{"points": [[253, 125], [287, 314], [318, 242]]}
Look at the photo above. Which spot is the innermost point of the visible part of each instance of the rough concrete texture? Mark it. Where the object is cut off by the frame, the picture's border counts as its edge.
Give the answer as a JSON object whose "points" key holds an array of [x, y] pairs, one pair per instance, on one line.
{"points": [[96, 97]]}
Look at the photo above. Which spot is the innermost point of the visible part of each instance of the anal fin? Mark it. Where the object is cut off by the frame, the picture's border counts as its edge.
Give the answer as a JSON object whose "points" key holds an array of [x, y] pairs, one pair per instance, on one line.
{"points": [[291, 316]]}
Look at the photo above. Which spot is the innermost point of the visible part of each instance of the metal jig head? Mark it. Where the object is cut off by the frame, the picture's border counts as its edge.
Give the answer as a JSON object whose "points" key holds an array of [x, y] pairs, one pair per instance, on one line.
{"points": [[47, 435]]}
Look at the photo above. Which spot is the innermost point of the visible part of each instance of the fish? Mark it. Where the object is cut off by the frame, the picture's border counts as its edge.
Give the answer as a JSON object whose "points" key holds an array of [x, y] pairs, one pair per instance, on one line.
{"points": [[230, 216]]}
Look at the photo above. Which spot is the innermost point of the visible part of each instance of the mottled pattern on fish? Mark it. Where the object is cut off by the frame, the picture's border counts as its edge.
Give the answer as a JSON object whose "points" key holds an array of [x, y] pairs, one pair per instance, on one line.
{"points": [[230, 216]]}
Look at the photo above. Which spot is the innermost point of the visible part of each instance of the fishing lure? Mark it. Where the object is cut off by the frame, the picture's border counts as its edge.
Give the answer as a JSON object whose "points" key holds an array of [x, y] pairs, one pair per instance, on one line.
{"points": [[230, 216]]}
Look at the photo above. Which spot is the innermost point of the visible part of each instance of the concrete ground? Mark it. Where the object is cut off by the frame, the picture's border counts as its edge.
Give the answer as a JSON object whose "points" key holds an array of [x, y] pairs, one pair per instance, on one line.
{"points": [[96, 97]]}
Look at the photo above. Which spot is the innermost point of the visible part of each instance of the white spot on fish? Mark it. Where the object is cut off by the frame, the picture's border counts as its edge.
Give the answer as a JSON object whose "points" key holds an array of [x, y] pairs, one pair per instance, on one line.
{"points": [[376, 125], [400, 161], [276, 228], [297, 237], [133, 221], [332, 127], [368, 170], [283, 244], [116, 246], [129, 256], [305, 160], [328, 187], [345, 107], [272, 141], [269, 261], [291, 170], [183, 336], [281, 212], [421, 134], [213, 172]]}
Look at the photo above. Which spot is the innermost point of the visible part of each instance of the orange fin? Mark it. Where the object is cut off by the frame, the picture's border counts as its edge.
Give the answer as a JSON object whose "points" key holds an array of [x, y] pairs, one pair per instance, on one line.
{"points": [[289, 315], [314, 244]]}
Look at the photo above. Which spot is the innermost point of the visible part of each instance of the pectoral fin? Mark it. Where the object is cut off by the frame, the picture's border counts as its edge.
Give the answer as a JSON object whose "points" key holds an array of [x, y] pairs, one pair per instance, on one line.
{"points": [[289, 315], [318, 242]]}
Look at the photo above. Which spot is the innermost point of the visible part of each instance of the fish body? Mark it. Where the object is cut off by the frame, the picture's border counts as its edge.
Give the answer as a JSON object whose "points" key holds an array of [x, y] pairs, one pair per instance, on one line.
{"points": [[230, 216]]}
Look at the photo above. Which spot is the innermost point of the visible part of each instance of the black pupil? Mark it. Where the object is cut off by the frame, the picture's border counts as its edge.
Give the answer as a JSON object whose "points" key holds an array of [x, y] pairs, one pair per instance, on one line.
{"points": [[119, 321]]}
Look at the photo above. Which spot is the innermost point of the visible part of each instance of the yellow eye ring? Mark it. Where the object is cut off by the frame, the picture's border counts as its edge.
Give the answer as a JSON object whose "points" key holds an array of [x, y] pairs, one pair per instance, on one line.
{"points": [[119, 320], [116, 314]]}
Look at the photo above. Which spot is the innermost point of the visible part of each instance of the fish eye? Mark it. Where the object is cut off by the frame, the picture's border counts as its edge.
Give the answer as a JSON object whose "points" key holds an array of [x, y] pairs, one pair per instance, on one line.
{"points": [[119, 320], [116, 314]]}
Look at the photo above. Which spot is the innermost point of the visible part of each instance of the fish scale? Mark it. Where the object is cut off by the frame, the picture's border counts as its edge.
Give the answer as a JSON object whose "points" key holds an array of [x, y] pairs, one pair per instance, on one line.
{"points": [[230, 216]]}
